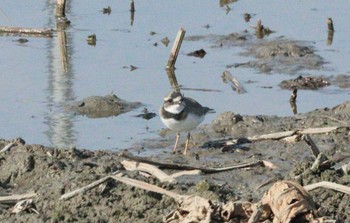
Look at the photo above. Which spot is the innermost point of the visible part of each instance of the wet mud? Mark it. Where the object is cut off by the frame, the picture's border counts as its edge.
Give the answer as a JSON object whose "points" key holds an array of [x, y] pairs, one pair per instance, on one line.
{"points": [[51, 172], [102, 106], [279, 55], [310, 83]]}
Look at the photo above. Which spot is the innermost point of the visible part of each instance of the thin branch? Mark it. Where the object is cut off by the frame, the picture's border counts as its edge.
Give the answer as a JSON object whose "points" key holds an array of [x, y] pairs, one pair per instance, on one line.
{"points": [[148, 187], [280, 135], [7, 147], [315, 151], [23, 30], [328, 185], [16, 198], [184, 167], [84, 189], [176, 48], [148, 168]]}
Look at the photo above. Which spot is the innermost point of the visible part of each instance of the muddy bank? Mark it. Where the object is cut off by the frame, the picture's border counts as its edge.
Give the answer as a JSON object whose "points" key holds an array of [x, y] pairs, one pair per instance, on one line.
{"points": [[279, 55], [102, 106], [51, 172]]}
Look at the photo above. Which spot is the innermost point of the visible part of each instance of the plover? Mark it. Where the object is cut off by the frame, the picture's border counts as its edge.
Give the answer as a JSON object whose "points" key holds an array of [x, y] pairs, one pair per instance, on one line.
{"points": [[180, 113]]}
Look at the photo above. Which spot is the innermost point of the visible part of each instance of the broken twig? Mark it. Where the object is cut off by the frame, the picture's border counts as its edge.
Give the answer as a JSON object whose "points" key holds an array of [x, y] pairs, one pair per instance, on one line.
{"points": [[153, 170], [176, 48], [328, 185], [330, 25], [184, 167], [289, 136], [148, 168], [61, 8], [84, 189], [7, 147], [23, 30], [148, 187], [16, 198], [315, 151]]}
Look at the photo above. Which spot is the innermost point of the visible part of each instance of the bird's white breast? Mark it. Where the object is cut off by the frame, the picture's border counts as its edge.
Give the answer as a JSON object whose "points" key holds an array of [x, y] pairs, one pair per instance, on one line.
{"points": [[191, 122]]}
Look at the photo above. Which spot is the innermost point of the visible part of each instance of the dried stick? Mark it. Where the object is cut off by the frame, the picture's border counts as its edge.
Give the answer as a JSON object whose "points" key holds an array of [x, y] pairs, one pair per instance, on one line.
{"points": [[148, 187], [148, 168], [84, 189], [281, 135], [23, 30], [132, 6], [318, 130], [186, 172], [328, 185], [176, 48], [315, 151], [62, 39], [155, 171], [7, 147], [234, 83], [184, 167], [272, 136], [61, 8], [16, 198], [320, 163], [330, 25], [173, 80]]}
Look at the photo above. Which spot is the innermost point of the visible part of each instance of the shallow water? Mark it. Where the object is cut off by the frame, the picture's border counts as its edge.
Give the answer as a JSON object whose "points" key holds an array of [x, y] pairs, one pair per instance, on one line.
{"points": [[35, 87]]}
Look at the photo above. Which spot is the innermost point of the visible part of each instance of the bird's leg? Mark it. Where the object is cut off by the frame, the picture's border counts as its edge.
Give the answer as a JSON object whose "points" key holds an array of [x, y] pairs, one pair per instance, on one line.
{"points": [[176, 142], [187, 142]]}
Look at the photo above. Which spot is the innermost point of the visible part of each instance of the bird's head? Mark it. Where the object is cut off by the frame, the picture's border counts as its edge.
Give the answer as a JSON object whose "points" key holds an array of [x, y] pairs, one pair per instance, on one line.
{"points": [[173, 102]]}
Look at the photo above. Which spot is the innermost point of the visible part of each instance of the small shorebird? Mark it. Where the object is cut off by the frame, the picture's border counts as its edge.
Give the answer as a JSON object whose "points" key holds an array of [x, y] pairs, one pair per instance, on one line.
{"points": [[180, 113]]}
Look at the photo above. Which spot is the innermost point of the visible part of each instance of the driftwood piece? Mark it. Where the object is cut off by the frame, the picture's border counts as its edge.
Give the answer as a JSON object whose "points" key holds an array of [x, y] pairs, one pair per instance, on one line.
{"points": [[118, 176], [328, 185], [148, 168], [289, 136], [185, 167], [272, 136], [155, 171], [24, 30], [233, 82], [315, 151], [330, 25], [15, 198], [7, 147], [172, 79], [84, 189], [176, 49], [61, 8], [148, 187], [186, 172], [321, 130], [321, 163]]}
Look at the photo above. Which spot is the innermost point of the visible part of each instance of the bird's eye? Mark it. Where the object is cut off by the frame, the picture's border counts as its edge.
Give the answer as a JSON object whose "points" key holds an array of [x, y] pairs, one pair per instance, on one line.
{"points": [[170, 100]]}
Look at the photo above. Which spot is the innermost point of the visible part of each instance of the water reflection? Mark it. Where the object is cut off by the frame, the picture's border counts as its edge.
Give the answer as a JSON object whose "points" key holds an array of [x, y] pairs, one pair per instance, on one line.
{"points": [[60, 88]]}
